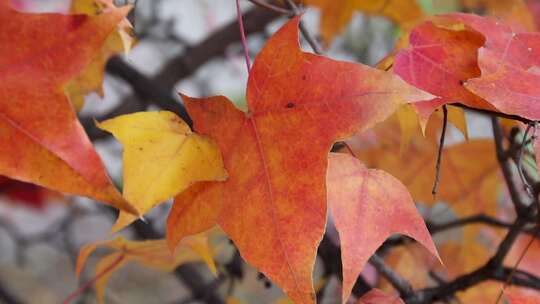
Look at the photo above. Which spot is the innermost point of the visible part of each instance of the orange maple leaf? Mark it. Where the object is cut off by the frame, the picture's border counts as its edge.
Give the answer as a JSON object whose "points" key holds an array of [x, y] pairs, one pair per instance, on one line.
{"points": [[273, 205], [42, 141]]}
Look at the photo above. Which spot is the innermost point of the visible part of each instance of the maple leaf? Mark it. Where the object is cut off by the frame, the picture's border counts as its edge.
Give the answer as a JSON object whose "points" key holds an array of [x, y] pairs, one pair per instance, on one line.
{"points": [[376, 296], [337, 14], [468, 174], [194, 210], [42, 141], [154, 254], [469, 182], [162, 157], [368, 206], [276, 154], [509, 64], [440, 60], [508, 61], [120, 40]]}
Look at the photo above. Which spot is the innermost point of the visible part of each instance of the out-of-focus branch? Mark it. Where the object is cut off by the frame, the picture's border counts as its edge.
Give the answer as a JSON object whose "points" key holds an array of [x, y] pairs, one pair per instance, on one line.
{"points": [[159, 89], [461, 222], [401, 285], [7, 297], [492, 113], [491, 270], [502, 157], [187, 273]]}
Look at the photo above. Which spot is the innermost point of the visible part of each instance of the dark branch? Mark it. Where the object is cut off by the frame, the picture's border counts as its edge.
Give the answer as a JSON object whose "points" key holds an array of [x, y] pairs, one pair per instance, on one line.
{"points": [[502, 157], [489, 271], [474, 219], [159, 90], [493, 113], [401, 285]]}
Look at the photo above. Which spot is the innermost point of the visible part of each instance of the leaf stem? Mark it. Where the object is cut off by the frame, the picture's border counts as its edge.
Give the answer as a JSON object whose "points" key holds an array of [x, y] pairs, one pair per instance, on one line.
{"points": [[74, 295], [312, 42], [439, 153], [243, 35]]}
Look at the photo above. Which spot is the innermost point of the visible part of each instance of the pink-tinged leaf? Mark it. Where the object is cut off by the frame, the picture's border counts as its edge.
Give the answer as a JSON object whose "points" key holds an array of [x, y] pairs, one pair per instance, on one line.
{"points": [[509, 88], [509, 61], [439, 61], [368, 206]]}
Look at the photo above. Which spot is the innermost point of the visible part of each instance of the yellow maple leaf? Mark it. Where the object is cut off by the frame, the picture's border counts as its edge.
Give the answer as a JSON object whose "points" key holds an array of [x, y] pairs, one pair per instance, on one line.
{"points": [[118, 41], [162, 157], [154, 254], [336, 14]]}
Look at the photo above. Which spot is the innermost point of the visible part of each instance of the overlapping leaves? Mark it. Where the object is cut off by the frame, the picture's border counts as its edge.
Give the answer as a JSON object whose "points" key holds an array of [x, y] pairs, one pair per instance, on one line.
{"points": [[276, 153], [480, 62]]}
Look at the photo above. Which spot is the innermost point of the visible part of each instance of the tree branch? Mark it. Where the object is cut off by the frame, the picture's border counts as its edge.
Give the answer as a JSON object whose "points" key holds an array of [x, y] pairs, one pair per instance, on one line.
{"points": [[489, 271], [493, 113], [502, 157], [473, 219], [401, 285], [159, 89]]}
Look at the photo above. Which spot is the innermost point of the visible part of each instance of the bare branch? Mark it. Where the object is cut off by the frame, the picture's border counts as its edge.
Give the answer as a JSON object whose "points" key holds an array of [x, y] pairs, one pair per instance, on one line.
{"points": [[401, 285], [159, 89], [312, 42], [502, 157]]}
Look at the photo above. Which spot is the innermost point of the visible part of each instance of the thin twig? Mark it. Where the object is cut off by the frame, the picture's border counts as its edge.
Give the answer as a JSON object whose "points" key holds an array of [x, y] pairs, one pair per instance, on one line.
{"points": [[349, 149], [491, 270], [502, 157], [474, 219], [493, 113], [91, 282], [514, 268], [272, 7], [312, 42], [243, 35], [439, 153], [519, 163]]}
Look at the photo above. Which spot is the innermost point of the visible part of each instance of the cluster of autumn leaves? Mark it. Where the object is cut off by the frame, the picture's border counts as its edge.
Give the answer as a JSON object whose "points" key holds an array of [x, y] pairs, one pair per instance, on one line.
{"points": [[265, 176]]}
